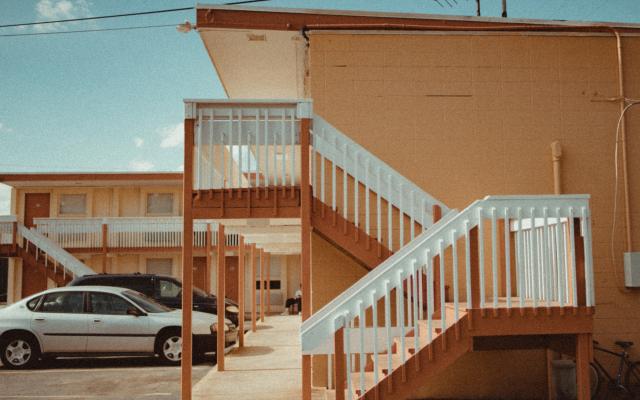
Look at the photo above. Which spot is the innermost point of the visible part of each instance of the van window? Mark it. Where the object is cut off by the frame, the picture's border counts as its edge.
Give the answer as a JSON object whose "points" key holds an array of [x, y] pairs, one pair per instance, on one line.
{"points": [[137, 283]]}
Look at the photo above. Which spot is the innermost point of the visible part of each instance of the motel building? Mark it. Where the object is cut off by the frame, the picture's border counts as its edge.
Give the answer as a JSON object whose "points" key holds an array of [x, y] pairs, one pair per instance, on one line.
{"points": [[457, 197]]}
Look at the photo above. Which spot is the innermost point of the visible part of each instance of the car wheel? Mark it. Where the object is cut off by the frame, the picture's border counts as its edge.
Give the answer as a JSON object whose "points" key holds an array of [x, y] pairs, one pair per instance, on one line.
{"points": [[170, 347], [19, 351]]}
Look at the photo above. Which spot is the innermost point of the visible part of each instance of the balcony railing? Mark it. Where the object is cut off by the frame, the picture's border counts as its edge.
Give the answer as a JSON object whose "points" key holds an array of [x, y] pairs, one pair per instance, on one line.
{"points": [[7, 228], [126, 233], [245, 144]]}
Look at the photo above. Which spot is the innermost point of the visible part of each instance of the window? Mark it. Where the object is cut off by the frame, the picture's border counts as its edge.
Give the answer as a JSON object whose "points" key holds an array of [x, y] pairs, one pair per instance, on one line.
{"points": [[160, 266], [168, 289], [73, 204], [63, 302], [4, 279], [160, 203], [109, 304], [31, 304]]}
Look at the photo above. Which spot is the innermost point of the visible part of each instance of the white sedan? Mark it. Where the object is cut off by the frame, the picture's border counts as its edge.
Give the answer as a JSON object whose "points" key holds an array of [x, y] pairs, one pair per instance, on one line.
{"points": [[99, 320]]}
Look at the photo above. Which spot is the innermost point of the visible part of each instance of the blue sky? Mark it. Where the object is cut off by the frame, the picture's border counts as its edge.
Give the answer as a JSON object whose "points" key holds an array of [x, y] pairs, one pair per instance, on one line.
{"points": [[112, 101]]}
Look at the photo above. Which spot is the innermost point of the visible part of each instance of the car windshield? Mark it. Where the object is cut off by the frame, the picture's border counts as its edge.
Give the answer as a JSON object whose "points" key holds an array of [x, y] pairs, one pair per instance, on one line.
{"points": [[146, 303]]}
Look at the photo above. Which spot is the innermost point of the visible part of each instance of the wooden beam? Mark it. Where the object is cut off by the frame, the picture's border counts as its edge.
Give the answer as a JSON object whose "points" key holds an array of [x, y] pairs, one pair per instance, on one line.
{"points": [[583, 357], [268, 260], [305, 256], [253, 288], [262, 274], [208, 249], [339, 361], [187, 261], [241, 260], [105, 246], [220, 294], [475, 269]]}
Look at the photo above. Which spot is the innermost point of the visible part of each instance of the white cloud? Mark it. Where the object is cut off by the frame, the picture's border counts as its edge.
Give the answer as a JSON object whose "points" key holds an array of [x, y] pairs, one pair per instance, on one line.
{"points": [[181, 167], [138, 141], [141, 165], [172, 136], [5, 199], [47, 10], [4, 128]]}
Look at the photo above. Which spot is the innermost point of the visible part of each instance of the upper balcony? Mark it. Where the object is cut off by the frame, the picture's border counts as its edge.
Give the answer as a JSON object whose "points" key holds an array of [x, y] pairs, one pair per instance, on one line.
{"points": [[246, 157]]}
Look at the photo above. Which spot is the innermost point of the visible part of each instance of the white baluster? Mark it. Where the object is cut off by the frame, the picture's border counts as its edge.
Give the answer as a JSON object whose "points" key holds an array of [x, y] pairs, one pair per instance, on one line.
{"points": [[374, 314], [481, 254]]}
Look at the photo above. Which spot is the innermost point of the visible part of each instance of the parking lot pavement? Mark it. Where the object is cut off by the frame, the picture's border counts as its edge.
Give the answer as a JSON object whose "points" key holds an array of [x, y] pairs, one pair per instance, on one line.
{"points": [[139, 378]]}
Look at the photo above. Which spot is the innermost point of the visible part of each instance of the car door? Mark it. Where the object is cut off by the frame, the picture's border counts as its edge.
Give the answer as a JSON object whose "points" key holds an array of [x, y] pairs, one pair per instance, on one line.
{"points": [[112, 329], [61, 323]]}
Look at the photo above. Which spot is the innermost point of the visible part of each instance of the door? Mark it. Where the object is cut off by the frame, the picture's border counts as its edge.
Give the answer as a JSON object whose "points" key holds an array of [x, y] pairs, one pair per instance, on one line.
{"points": [[200, 273], [36, 205], [231, 278], [61, 322], [113, 329]]}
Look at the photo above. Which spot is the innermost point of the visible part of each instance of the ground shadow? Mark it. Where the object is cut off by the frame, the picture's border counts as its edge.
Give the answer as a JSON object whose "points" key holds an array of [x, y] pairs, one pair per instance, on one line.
{"points": [[252, 351], [112, 362]]}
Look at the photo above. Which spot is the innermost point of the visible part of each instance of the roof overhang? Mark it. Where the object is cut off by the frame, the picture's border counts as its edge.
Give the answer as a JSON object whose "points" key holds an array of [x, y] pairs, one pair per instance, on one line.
{"points": [[20, 180]]}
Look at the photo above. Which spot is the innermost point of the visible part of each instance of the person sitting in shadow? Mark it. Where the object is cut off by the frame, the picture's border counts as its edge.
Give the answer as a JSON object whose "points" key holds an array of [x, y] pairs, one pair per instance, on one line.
{"points": [[294, 304]]}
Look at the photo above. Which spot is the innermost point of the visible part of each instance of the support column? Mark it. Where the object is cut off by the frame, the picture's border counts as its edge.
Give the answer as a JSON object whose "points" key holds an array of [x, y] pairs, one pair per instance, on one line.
{"points": [[187, 260], [105, 245], [305, 257], [254, 308], [583, 357], [241, 259], [262, 273], [268, 282], [220, 294], [208, 267], [339, 363]]}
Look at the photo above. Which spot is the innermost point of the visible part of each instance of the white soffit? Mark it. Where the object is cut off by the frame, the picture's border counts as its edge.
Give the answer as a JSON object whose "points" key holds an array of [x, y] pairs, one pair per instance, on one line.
{"points": [[257, 63]]}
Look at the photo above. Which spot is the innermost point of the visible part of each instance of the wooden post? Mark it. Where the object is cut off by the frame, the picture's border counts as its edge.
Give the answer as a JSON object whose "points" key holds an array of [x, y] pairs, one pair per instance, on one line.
{"points": [[209, 255], [583, 357], [475, 269], [105, 246], [502, 259], [187, 260], [580, 273], [253, 288], [268, 282], [305, 256], [14, 237], [220, 294], [241, 257], [339, 361], [437, 215], [262, 273]]}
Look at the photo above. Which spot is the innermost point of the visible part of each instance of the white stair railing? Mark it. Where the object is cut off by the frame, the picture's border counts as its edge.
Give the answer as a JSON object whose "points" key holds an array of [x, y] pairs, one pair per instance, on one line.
{"points": [[53, 253], [246, 143], [125, 232], [6, 228], [543, 265], [385, 189]]}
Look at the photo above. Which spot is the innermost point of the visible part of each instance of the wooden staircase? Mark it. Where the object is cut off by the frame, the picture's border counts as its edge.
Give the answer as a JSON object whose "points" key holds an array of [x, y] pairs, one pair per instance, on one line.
{"points": [[34, 258]]}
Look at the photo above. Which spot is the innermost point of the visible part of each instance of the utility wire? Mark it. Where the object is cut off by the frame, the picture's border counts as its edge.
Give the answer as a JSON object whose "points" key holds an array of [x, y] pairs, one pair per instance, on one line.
{"points": [[169, 10], [126, 28]]}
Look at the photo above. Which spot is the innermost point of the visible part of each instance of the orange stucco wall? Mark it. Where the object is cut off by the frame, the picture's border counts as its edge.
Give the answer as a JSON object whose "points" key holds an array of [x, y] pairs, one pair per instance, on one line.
{"points": [[464, 116]]}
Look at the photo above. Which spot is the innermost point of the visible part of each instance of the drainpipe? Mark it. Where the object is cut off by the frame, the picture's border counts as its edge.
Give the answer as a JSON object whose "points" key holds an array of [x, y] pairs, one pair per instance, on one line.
{"points": [[623, 143], [556, 156]]}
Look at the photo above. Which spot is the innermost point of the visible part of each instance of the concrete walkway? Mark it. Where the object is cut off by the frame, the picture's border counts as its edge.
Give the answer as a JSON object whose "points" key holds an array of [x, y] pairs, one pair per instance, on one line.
{"points": [[267, 368]]}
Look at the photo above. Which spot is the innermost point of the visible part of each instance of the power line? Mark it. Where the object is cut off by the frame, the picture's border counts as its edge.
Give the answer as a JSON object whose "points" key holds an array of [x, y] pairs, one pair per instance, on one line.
{"points": [[169, 10], [126, 28]]}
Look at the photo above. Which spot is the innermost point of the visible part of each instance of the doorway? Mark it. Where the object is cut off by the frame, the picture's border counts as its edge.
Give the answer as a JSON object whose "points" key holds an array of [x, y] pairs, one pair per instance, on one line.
{"points": [[36, 205]]}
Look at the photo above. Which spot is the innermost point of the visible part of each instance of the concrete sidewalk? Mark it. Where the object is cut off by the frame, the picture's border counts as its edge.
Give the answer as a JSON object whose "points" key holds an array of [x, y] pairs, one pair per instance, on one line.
{"points": [[267, 368]]}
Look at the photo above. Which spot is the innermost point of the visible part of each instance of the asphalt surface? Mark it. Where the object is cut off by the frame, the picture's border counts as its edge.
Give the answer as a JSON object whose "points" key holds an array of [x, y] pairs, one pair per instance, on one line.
{"points": [[114, 378]]}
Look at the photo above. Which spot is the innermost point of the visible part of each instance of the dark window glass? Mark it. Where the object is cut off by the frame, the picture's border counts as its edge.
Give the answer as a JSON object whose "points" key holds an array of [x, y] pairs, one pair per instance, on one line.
{"points": [[139, 284], [63, 302], [31, 304], [168, 289], [110, 304], [275, 285], [147, 304], [4, 279]]}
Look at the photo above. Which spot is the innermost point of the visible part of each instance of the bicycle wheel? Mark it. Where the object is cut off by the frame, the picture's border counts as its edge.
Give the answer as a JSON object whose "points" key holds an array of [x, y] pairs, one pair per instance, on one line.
{"points": [[632, 380], [594, 379]]}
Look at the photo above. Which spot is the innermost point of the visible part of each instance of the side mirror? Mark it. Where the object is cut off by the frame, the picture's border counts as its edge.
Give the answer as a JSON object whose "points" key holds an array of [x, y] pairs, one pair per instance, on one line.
{"points": [[135, 312]]}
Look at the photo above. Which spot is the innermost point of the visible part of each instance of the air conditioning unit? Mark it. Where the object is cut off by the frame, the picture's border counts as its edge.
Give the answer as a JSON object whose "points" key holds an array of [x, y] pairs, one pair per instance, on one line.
{"points": [[632, 269]]}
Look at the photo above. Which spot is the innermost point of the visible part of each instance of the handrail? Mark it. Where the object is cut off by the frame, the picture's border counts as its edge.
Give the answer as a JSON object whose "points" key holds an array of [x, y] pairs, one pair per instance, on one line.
{"points": [[51, 249], [548, 281], [375, 175]]}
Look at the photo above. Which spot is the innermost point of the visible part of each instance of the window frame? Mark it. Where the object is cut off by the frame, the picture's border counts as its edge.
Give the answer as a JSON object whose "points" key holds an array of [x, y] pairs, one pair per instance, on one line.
{"points": [[89, 307], [171, 212], [75, 214], [38, 308]]}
